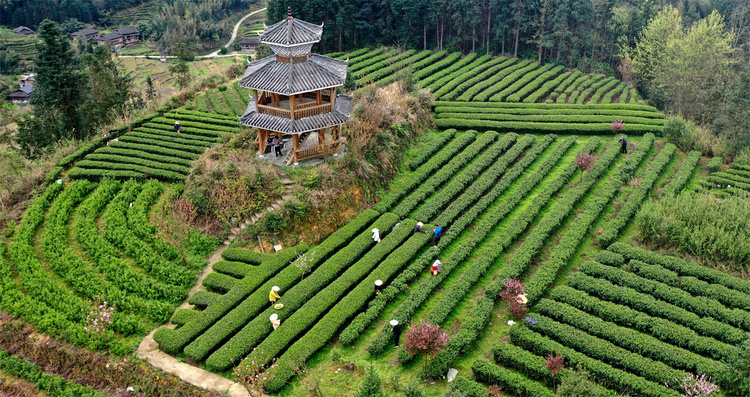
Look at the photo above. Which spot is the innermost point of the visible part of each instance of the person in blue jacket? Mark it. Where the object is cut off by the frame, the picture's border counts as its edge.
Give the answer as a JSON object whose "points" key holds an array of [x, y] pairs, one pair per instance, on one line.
{"points": [[624, 141], [438, 233]]}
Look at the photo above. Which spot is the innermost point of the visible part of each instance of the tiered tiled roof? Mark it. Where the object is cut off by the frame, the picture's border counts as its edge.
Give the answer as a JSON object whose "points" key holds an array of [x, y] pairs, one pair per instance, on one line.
{"points": [[318, 72]]}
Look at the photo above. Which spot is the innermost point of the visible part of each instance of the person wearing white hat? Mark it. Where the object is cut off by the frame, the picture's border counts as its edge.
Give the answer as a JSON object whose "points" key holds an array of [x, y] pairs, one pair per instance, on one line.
{"points": [[275, 320], [177, 127], [378, 286], [376, 235], [274, 295], [435, 269], [418, 228], [396, 330]]}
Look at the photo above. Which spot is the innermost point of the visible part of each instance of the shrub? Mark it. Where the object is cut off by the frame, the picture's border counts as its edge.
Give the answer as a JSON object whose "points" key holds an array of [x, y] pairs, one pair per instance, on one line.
{"points": [[435, 144]]}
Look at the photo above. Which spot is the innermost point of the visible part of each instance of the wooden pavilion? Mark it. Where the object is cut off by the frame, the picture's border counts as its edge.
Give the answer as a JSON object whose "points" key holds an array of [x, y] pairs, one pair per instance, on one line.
{"points": [[295, 91]]}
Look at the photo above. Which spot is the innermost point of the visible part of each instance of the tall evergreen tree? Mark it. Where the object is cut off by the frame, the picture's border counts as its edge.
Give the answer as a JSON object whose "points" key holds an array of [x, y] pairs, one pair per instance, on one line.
{"points": [[61, 89], [371, 384], [111, 90]]}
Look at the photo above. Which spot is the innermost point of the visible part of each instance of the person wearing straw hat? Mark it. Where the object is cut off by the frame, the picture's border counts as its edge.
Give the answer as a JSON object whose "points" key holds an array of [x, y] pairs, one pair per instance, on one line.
{"points": [[396, 330], [177, 127], [418, 228], [522, 299], [274, 295], [275, 320], [378, 286], [376, 235]]}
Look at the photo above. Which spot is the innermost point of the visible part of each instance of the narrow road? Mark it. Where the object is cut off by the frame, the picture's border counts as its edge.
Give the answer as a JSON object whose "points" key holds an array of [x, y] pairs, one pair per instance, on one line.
{"points": [[234, 32]]}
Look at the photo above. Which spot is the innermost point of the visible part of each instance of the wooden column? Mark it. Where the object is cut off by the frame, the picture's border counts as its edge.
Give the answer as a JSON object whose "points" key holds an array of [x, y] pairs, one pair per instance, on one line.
{"points": [[295, 138], [262, 140], [333, 96], [321, 136], [256, 100], [319, 97], [292, 105]]}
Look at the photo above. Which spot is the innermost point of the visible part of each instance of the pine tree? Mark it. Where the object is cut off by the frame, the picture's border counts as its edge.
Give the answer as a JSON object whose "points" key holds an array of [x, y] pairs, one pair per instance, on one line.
{"points": [[371, 384], [60, 89]]}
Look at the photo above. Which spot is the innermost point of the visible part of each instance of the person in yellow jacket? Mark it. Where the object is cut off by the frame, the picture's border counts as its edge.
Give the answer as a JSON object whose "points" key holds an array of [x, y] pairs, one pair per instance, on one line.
{"points": [[274, 295]]}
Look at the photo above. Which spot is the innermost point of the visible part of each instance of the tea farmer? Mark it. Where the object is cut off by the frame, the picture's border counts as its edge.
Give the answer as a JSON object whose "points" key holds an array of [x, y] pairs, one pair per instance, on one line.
{"points": [[376, 235], [378, 286], [418, 228], [624, 145], [274, 295], [396, 330], [275, 321], [438, 233], [277, 146], [435, 269], [177, 127]]}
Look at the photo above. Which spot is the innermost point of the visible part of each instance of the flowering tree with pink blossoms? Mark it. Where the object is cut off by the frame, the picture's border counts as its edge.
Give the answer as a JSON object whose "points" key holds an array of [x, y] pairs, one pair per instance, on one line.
{"points": [[696, 386], [99, 317]]}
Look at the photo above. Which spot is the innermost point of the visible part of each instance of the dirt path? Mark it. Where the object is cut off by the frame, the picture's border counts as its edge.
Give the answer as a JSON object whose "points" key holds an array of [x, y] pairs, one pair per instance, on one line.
{"points": [[234, 33]]}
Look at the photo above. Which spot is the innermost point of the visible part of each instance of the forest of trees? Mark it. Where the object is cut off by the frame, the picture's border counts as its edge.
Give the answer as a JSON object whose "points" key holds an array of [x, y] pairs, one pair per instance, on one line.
{"points": [[32, 12], [587, 34]]}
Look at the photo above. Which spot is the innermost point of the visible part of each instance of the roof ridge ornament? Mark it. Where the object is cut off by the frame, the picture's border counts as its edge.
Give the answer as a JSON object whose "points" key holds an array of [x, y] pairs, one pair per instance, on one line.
{"points": [[289, 13]]}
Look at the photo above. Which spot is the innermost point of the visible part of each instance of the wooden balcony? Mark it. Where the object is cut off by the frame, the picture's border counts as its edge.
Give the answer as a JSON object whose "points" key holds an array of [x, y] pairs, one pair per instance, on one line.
{"points": [[317, 150], [308, 109]]}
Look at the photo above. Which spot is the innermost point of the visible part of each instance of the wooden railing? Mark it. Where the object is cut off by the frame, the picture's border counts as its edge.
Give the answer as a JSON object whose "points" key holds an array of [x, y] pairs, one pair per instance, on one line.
{"points": [[318, 150], [313, 111], [305, 105], [273, 111]]}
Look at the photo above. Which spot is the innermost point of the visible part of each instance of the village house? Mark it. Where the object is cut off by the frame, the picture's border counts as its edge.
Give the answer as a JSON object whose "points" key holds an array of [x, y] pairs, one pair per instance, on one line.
{"points": [[120, 38], [27, 79], [250, 44], [23, 30], [21, 95], [85, 33]]}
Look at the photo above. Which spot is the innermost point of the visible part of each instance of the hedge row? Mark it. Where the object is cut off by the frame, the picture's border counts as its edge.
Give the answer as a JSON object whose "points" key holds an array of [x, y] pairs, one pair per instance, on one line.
{"points": [[607, 98], [468, 387], [207, 118], [610, 376], [212, 128], [183, 316], [325, 329], [740, 180], [547, 88], [385, 64], [659, 328], [679, 179], [545, 74], [168, 145], [140, 224], [449, 61], [173, 341], [728, 297], [155, 150], [53, 309], [479, 87], [160, 174], [437, 71], [613, 113], [637, 197], [462, 206], [416, 66], [555, 128], [646, 303], [701, 306], [460, 182], [425, 171], [218, 282], [194, 132], [471, 329], [427, 151], [355, 67], [203, 299], [632, 340], [407, 309], [248, 325], [523, 361], [546, 274], [726, 183], [119, 232], [367, 55], [357, 53], [171, 136], [594, 88], [461, 80], [534, 241], [477, 63], [245, 256], [509, 105], [548, 118], [739, 172], [520, 82], [394, 65], [574, 85], [107, 259], [715, 164], [95, 175], [500, 83], [55, 385], [449, 170], [75, 273], [682, 267], [509, 381], [212, 116], [574, 75], [304, 318], [112, 158], [142, 155]]}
